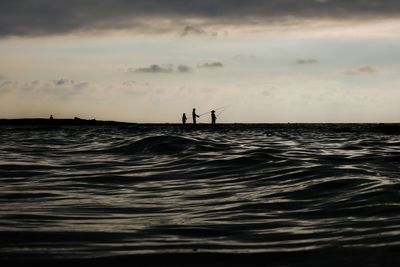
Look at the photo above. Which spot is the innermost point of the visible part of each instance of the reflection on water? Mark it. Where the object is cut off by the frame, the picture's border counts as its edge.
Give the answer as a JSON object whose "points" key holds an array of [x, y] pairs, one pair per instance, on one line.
{"points": [[98, 191]]}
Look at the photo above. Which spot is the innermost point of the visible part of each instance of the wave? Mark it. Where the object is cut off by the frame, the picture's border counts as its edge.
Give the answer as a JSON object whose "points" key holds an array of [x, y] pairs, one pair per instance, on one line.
{"points": [[163, 144], [118, 191]]}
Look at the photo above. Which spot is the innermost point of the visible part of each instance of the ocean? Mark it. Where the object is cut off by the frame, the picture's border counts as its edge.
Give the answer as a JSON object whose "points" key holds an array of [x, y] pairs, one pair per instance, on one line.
{"points": [[289, 194]]}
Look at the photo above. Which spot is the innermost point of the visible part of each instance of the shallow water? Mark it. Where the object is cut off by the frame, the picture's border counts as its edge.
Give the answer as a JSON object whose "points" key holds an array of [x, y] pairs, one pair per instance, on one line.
{"points": [[120, 190]]}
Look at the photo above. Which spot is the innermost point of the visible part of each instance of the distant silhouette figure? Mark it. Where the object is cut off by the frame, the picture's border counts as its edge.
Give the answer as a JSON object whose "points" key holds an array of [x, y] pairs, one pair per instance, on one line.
{"points": [[51, 117], [184, 119], [194, 116], [213, 117]]}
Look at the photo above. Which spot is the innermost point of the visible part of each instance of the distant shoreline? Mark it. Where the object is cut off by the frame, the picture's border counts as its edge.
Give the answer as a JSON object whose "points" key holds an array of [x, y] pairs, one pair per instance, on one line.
{"points": [[58, 122]]}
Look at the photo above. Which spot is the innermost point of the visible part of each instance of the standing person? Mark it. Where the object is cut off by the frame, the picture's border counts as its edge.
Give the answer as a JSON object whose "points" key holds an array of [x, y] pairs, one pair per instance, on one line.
{"points": [[184, 119], [194, 115], [213, 117]]}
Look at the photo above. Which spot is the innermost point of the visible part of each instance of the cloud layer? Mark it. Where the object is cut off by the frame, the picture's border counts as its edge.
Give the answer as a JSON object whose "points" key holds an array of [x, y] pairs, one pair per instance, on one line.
{"points": [[364, 70], [48, 17], [307, 61], [60, 88], [215, 64], [156, 68], [171, 68]]}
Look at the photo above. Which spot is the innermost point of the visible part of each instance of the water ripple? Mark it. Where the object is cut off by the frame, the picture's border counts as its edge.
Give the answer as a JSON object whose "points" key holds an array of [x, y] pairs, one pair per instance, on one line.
{"points": [[106, 191]]}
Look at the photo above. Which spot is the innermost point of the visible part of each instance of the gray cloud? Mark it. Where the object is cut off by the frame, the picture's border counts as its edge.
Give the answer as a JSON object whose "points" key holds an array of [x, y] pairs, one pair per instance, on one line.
{"points": [[184, 69], [48, 17], [66, 84], [155, 68], [61, 88], [192, 30], [215, 64], [197, 30], [132, 83], [307, 61], [63, 81], [136, 88], [82, 86], [5, 86], [129, 83], [365, 70]]}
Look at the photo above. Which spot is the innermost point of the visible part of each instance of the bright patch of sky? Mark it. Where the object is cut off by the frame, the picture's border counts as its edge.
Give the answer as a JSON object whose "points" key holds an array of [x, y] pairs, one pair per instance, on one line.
{"points": [[261, 76]]}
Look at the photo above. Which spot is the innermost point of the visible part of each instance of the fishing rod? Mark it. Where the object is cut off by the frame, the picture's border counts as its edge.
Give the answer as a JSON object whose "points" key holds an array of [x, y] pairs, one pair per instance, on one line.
{"points": [[217, 115], [214, 110], [204, 113], [221, 111]]}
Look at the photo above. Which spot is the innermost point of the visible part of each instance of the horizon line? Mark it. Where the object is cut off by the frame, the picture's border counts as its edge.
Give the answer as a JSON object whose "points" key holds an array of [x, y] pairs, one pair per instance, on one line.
{"points": [[178, 123]]}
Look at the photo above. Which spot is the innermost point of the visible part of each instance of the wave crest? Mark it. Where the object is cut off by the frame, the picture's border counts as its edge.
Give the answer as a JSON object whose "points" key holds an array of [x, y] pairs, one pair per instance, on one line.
{"points": [[164, 144]]}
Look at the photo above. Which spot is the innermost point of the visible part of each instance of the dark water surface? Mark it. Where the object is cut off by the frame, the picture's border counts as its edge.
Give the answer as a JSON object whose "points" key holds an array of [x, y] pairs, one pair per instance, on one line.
{"points": [[79, 192]]}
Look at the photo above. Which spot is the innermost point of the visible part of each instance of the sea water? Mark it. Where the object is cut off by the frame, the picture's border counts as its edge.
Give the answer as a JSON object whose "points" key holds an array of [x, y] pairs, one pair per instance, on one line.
{"points": [[100, 191]]}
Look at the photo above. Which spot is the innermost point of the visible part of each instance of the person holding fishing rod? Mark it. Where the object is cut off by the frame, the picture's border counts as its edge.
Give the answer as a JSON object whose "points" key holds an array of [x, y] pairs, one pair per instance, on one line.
{"points": [[194, 116], [213, 117]]}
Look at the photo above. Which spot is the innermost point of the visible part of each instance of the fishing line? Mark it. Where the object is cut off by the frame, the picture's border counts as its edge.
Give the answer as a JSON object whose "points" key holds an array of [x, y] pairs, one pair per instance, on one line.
{"points": [[224, 107], [221, 112]]}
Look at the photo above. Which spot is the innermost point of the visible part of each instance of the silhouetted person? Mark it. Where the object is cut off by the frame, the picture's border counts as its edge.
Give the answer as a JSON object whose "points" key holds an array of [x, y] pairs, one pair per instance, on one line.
{"points": [[184, 119], [51, 117], [194, 116], [213, 117]]}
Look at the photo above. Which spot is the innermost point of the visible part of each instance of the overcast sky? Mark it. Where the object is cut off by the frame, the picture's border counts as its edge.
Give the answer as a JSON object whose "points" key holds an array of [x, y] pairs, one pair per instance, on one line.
{"points": [[152, 60]]}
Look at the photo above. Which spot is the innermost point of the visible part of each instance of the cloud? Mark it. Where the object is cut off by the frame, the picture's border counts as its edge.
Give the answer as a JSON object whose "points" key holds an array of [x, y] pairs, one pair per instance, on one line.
{"points": [[245, 57], [365, 70], [132, 83], [82, 86], [184, 69], [49, 17], [63, 81], [5, 86], [155, 68], [308, 61], [129, 83], [136, 88], [215, 64], [61, 88], [2, 77], [193, 30], [197, 30]]}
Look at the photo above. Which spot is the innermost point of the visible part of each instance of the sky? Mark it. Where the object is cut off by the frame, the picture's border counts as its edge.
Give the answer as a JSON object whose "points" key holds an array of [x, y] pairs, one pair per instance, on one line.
{"points": [[272, 61]]}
